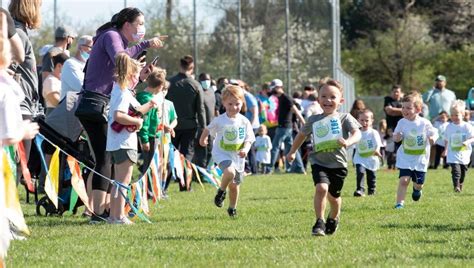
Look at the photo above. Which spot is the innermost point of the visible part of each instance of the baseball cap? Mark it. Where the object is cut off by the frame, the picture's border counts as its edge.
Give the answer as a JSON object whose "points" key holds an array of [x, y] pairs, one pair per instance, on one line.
{"points": [[63, 32], [44, 49], [276, 83], [440, 78]]}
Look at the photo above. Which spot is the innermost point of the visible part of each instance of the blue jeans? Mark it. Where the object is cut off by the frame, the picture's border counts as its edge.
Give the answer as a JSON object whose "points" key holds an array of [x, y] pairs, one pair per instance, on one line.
{"points": [[285, 135]]}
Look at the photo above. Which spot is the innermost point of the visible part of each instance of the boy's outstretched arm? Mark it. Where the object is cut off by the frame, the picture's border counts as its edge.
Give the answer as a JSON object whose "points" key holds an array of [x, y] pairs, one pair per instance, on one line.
{"points": [[298, 141]]}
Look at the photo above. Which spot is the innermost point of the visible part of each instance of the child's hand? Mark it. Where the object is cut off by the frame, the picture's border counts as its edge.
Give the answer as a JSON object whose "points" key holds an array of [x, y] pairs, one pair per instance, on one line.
{"points": [[290, 157], [377, 153], [242, 153], [146, 147], [342, 142], [431, 140], [167, 128], [139, 123], [444, 153], [172, 133], [31, 129], [203, 142], [397, 136]]}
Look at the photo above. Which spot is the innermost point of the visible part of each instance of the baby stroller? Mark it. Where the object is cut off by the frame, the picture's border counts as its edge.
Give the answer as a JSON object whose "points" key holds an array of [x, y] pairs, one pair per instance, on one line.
{"points": [[63, 129]]}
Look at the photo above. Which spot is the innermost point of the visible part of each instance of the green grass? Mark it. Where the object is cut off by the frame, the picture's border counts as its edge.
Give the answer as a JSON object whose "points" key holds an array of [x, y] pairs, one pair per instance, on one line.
{"points": [[272, 229]]}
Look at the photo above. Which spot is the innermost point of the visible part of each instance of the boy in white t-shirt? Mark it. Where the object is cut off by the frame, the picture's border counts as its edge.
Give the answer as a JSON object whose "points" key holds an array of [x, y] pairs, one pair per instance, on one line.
{"points": [[440, 124], [233, 138], [417, 135], [459, 136], [367, 156]]}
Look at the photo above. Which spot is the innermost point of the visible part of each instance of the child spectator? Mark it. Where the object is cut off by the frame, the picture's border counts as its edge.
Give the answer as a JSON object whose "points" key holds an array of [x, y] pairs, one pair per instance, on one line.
{"points": [[458, 138], [390, 153], [233, 138], [147, 134], [382, 130], [329, 160], [417, 135], [440, 124], [367, 154], [166, 124], [52, 83], [263, 146], [122, 145]]}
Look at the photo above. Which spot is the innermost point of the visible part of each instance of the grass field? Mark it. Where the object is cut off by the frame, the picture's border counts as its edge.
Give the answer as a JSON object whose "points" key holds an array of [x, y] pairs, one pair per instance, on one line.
{"points": [[272, 229]]}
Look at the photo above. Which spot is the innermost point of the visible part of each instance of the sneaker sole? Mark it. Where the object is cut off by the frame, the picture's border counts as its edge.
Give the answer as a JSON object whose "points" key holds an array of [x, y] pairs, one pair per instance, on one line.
{"points": [[318, 233]]}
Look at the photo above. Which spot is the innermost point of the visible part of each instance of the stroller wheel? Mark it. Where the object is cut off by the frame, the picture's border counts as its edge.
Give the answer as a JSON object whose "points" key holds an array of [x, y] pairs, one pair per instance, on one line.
{"points": [[45, 207]]}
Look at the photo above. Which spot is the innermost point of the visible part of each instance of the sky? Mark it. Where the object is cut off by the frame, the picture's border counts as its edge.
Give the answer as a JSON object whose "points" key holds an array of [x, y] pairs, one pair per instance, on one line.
{"points": [[96, 12]]}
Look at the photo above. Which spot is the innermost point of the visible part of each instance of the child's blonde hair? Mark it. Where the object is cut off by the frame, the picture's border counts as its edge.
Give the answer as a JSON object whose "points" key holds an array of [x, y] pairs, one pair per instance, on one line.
{"points": [[458, 105], [124, 68], [156, 78], [262, 130], [415, 98], [234, 91], [331, 82]]}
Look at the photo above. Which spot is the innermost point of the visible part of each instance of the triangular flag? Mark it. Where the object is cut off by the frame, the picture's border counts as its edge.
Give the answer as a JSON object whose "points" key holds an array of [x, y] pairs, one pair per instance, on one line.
{"points": [[178, 165], [51, 184], [12, 201], [73, 200], [24, 168], [77, 181], [197, 175]]}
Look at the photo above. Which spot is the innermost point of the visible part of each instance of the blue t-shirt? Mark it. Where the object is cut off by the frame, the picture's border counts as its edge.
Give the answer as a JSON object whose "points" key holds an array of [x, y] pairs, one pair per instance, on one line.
{"points": [[251, 102]]}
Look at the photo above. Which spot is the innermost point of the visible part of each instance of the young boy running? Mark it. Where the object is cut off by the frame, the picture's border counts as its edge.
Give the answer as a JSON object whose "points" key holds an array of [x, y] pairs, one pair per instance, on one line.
{"points": [[329, 159], [459, 136], [417, 135]]}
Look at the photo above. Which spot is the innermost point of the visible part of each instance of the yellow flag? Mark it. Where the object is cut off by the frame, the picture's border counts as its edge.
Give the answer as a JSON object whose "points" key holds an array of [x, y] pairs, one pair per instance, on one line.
{"points": [[12, 201], [51, 184]]}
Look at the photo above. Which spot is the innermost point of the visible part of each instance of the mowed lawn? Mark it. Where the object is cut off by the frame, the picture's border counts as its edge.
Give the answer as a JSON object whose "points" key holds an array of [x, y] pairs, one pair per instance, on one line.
{"points": [[273, 228]]}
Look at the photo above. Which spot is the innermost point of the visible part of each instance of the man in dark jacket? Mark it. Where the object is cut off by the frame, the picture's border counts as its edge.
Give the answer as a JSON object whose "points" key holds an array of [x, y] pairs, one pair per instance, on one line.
{"points": [[187, 97]]}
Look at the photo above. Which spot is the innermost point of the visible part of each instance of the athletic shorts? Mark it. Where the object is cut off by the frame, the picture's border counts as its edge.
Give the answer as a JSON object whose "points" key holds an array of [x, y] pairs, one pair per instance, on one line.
{"points": [[416, 176], [334, 177], [239, 176], [120, 155]]}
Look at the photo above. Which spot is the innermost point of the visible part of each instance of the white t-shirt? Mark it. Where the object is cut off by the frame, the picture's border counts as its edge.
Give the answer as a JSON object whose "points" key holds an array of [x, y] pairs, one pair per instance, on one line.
{"points": [[120, 100], [414, 153], [72, 76], [263, 146], [456, 135], [365, 149], [50, 84], [382, 139], [441, 127], [11, 95], [230, 135]]}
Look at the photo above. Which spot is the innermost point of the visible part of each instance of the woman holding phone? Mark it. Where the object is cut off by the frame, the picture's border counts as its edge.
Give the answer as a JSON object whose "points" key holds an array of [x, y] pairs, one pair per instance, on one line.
{"points": [[111, 38]]}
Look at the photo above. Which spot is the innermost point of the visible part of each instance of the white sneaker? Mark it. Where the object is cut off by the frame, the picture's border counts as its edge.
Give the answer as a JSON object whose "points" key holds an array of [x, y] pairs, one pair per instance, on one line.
{"points": [[123, 220]]}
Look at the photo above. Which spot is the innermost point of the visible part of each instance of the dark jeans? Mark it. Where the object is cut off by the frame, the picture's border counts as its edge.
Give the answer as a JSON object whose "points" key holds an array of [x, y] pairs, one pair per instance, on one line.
{"points": [[371, 179], [438, 152], [184, 142], [202, 155], [252, 162], [97, 134], [458, 172], [285, 135]]}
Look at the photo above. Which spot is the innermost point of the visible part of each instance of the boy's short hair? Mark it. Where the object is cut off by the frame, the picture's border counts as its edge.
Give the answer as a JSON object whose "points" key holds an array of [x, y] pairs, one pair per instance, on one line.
{"points": [[59, 59], [366, 111], [458, 105], [156, 78], [443, 112], [334, 83], [415, 98], [186, 62], [234, 91]]}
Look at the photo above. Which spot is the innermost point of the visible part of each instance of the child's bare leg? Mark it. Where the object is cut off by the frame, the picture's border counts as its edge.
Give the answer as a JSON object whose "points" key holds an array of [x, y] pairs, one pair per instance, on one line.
{"points": [[320, 196], [234, 190], [402, 188], [123, 174], [227, 177], [417, 186], [335, 203]]}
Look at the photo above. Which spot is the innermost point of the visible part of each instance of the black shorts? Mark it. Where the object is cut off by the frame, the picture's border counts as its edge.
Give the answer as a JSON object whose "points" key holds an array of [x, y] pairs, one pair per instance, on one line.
{"points": [[334, 177]]}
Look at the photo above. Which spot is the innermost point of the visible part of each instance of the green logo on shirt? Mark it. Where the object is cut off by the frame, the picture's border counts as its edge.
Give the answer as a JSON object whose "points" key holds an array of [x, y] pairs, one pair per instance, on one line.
{"points": [[322, 130], [230, 134]]}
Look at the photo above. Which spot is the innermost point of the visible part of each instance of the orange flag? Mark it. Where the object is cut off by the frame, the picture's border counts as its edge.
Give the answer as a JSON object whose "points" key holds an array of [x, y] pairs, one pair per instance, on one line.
{"points": [[77, 181]]}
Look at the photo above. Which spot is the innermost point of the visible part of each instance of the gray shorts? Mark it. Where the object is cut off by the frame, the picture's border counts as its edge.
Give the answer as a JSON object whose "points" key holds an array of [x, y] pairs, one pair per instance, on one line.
{"points": [[121, 155], [239, 176]]}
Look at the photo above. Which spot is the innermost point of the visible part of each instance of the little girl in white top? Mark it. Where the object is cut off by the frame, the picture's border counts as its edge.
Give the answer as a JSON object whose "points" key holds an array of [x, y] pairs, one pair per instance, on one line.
{"points": [[122, 144], [263, 146], [233, 138]]}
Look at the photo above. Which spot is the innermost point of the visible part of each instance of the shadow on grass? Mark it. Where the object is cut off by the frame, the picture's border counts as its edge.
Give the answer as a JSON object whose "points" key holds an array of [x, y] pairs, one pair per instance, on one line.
{"points": [[223, 238], [266, 198], [432, 227], [447, 255]]}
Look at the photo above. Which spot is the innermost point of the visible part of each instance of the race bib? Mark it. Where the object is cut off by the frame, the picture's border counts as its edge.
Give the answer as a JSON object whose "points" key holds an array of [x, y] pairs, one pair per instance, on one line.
{"points": [[366, 148], [233, 138], [456, 142], [414, 143], [326, 133]]}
